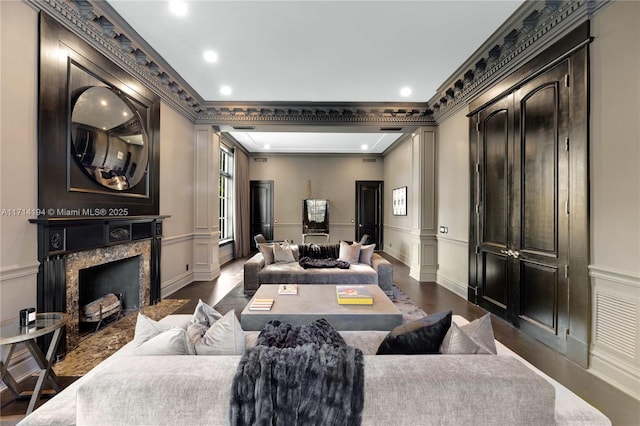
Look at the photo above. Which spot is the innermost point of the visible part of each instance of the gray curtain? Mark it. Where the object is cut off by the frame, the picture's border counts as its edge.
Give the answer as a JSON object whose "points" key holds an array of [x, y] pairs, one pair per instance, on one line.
{"points": [[241, 181]]}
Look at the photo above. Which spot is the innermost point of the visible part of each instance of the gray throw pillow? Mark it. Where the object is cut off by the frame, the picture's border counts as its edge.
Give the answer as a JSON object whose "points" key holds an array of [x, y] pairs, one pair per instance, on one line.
{"points": [[422, 336], [282, 253], [349, 253], [366, 253], [473, 338], [203, 317], [224, 337], [146, 328], [267, 252]]}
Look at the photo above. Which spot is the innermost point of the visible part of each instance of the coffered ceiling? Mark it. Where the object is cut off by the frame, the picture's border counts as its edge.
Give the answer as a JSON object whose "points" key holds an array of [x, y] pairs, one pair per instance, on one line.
{"points": [[316, 52]]}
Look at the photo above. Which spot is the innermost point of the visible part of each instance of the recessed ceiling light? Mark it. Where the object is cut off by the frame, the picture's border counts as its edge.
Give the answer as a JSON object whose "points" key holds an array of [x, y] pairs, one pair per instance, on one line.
{"points": [[364, 147], [405, 91], [225, 90], [210, 56], [267, 146], [103, 102], [178, 7]]}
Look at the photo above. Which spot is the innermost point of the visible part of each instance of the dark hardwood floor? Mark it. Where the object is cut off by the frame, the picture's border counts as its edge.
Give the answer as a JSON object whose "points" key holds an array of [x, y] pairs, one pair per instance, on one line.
{"points": [[622, 409]]}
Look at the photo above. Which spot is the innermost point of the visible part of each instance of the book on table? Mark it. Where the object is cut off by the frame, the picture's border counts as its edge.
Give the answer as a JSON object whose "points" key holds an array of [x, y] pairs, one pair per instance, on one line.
{"points": [[261, 305], [353, 295], [288, 289]]}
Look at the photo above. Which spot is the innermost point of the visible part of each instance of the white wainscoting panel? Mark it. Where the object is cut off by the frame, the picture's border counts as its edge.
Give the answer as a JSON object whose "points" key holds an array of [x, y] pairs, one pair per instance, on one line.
{"points": [[615, 330], [453, 265]]}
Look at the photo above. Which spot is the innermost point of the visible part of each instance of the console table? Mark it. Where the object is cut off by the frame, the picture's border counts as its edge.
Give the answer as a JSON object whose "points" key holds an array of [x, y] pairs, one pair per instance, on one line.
{"points": [[12, 333]]}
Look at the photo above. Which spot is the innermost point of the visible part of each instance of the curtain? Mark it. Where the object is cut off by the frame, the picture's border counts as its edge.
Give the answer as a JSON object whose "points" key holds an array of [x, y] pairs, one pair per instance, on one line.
{"points": [[242, 201]]}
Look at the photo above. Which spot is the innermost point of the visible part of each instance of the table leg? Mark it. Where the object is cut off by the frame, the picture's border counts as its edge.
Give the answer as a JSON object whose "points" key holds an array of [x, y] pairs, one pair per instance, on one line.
{"points": [[44, 362], [6, 377]]}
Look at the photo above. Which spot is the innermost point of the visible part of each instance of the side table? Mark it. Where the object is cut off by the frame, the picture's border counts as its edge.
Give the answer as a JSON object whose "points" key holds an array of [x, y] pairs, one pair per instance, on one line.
{"points": [[12, 333]]}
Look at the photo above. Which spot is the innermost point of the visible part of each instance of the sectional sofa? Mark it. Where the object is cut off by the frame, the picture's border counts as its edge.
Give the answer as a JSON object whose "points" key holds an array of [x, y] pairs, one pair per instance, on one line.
{"points": [[502, 389]]}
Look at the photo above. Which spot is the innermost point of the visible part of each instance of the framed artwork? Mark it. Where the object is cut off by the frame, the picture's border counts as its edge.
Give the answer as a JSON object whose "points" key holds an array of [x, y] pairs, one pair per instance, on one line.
{"points": [[399, 196]]}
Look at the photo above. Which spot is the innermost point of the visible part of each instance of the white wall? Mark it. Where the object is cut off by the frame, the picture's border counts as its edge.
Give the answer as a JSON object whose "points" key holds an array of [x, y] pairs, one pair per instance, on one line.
{"points": [[615, 195], [332, 177], [177, 138], [18, 164], [453, 203]]}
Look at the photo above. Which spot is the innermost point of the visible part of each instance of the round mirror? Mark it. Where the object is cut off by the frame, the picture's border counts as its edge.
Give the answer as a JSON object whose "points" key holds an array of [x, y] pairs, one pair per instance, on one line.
{"points": [[108, 139]]}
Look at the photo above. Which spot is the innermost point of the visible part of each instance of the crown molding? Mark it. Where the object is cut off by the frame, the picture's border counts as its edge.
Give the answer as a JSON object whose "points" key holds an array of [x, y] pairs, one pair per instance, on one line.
{"points": [[100, 26], [316, 113], [535, 26]]}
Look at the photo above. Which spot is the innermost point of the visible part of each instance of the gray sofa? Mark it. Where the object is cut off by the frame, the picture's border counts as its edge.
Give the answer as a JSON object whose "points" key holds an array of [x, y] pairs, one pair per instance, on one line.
{"points": [[498, 389], [256, 272]]}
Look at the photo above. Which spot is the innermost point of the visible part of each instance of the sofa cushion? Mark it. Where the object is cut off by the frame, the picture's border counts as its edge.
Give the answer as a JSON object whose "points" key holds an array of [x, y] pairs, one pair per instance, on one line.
{"points": [[154, 338], [282, 253], [293, 273], [267, 252], [224, 337], [349, 252], [366, 253], [422, 336], [473, 338]]}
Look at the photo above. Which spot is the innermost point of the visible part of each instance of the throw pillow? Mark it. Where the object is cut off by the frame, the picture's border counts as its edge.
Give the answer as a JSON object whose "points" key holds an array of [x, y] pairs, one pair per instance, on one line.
{"points": [[171, 342], [146, 328], [282, 253], [473, 338], [154, 338], [349, 253], [267, 253], [422, 336], [203, 317], [366, 253], [225, 337]]}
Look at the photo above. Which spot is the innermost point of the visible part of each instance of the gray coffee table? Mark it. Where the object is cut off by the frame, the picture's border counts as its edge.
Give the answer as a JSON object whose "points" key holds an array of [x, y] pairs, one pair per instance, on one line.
{"points": [[315, 301]]}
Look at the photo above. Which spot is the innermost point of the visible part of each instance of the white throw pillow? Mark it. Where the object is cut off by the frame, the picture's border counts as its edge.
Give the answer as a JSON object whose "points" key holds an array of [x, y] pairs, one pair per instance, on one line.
{"points": [[171, 342], [203, 317], [225, 337], [146, 328], [154, 338], [349, 253], [366, 253], [282, 253]]}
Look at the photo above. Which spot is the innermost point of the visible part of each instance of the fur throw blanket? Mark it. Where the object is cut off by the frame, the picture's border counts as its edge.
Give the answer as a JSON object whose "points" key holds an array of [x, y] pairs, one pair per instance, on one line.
{"points": [[299, 375], [319, 251], [308, 262]]}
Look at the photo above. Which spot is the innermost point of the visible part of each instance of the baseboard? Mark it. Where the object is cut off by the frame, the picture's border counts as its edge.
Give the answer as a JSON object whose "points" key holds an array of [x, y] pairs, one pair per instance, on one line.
{"points": [[171, 286], [206, 275], [618, 373], [458, 288]]}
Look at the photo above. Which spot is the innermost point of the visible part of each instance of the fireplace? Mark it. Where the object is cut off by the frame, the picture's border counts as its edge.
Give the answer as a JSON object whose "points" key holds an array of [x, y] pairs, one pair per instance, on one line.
{"points": [[119, 269], [76, 253]]}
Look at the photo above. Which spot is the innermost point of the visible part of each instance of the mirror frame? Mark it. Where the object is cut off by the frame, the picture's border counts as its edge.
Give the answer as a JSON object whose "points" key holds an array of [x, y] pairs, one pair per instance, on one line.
{"points": [[64, 189]]}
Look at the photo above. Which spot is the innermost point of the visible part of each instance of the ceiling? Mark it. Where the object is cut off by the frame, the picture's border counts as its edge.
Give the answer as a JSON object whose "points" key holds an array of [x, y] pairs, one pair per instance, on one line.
{"points": [[316, 51]]}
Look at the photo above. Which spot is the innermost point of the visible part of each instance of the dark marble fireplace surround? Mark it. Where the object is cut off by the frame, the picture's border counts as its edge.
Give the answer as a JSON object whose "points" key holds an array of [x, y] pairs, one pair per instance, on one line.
{"points": [[66, 246]]}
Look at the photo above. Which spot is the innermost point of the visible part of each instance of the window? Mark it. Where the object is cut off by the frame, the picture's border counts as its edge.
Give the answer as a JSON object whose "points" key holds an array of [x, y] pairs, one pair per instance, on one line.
{"points": [[226, 195]]}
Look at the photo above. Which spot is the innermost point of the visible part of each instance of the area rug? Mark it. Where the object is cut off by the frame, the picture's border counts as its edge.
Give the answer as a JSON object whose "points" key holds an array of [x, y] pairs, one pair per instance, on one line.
{"points": [[102, 344], [236, 299]]}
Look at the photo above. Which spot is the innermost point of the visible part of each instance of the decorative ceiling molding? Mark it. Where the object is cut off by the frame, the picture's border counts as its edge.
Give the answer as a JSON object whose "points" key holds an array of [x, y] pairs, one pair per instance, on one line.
{"points": [[301, 113], [99, 25], [533, 27]]}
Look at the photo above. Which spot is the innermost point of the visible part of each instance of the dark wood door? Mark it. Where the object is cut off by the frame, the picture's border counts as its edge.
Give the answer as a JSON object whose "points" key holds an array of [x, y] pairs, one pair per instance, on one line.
{"points": [[261, 205], [369, 211], [523, 212]]}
